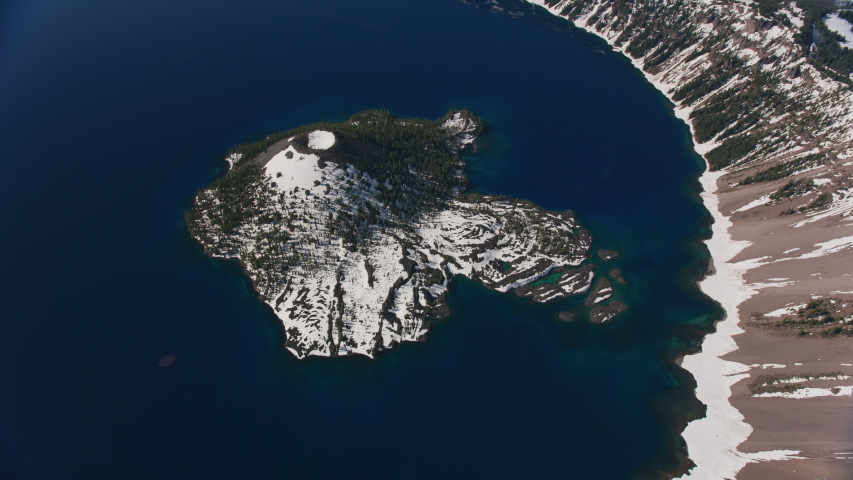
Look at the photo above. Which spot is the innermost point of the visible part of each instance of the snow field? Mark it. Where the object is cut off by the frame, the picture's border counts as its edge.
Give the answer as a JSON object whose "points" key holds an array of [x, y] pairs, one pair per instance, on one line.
{"points": [[321, 140]]}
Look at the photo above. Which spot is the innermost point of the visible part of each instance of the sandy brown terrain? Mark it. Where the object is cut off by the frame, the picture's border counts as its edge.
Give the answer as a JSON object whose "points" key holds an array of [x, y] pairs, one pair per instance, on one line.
{"points": [[820, 427]]}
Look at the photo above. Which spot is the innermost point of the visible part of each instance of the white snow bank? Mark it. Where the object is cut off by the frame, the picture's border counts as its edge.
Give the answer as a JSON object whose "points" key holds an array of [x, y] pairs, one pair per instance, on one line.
{"points": [[842, 204], [795, 15], [712, 441], [755, 203], [810, 379], [792, 310], [321, 140], [832, 246], [838, 24], [296, 169], [767, 365], [810, 392]]}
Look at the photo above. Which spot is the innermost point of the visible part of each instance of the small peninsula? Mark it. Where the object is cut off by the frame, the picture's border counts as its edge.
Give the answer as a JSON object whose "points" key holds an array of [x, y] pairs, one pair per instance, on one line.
{"points": [[351, 232]]}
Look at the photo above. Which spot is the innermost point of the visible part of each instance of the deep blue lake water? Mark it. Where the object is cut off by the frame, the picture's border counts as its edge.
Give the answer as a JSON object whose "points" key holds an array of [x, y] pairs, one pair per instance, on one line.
{"points": [[113, 114]]}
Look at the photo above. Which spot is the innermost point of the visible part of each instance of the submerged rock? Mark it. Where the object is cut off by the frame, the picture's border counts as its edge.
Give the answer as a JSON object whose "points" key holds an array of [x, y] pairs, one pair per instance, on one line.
{"points": [[616, 274]]}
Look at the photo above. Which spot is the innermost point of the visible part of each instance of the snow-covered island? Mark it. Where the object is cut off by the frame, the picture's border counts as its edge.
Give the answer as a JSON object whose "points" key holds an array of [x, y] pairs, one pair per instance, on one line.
{"points": [[352, 232]]}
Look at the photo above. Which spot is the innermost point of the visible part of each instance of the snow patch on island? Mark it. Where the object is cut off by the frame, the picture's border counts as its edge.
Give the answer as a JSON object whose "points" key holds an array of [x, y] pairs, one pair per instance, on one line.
{"points": [[461, 128], [842, 27], [321, 140], [290, 169]]}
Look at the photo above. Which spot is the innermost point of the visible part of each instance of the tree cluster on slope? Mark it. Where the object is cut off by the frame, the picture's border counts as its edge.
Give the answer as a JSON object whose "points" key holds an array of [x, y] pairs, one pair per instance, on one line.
{"points": [[404, 168], [397, 147]]}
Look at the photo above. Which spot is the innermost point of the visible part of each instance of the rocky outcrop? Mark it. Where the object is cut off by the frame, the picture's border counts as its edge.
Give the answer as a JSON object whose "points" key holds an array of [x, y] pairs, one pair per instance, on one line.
{"points": [[603, 313], [602, 291], [565, 282]]}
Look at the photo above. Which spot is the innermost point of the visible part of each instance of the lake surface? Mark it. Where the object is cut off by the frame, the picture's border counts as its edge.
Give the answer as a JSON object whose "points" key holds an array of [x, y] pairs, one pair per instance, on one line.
{"points": [[113, 114]]}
